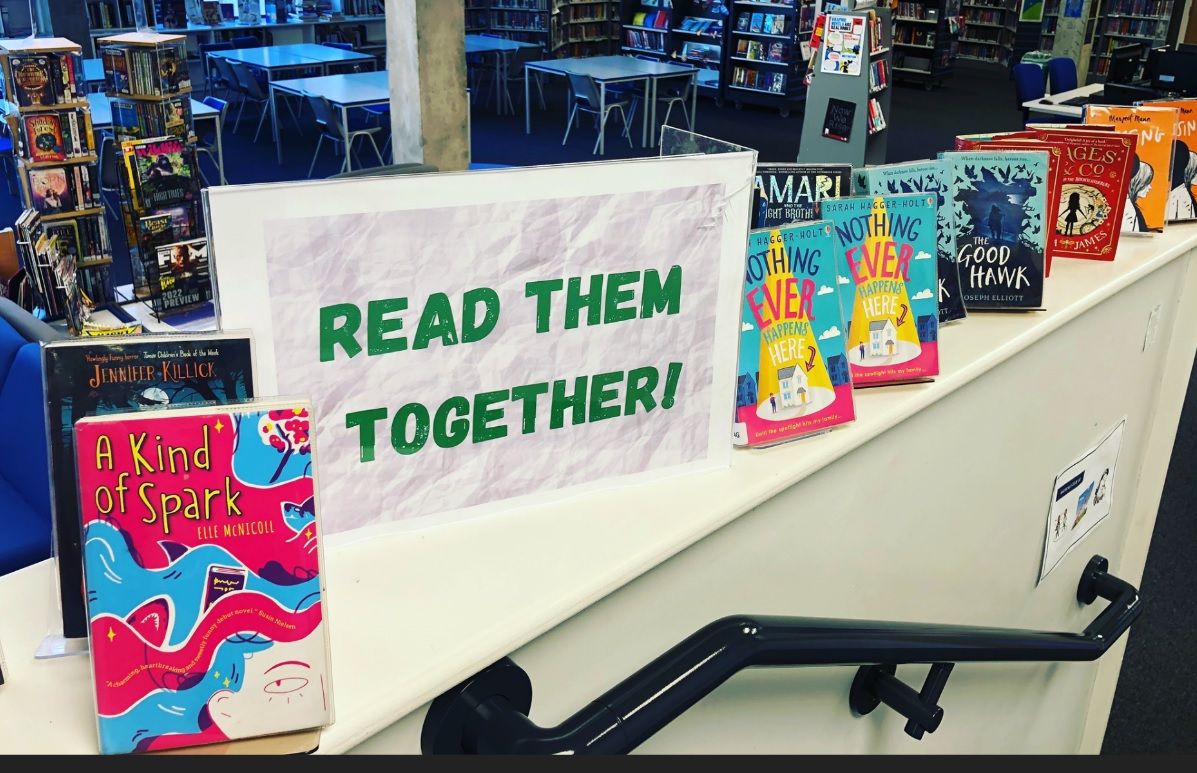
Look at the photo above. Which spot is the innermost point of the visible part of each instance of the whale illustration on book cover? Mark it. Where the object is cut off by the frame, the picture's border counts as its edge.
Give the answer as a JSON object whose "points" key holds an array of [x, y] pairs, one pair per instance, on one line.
{"points": [[202, 565], [924, 177], [887, 278], [793, 376]]}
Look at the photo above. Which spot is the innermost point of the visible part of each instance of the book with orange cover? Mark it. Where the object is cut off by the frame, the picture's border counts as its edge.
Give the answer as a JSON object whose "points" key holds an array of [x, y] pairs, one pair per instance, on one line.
{"points": [[1145, 210], [1182, 194]]}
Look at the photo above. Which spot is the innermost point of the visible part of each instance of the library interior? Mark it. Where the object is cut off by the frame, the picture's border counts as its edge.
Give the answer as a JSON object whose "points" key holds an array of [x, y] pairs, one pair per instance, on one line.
{"points": [[898, 296]]}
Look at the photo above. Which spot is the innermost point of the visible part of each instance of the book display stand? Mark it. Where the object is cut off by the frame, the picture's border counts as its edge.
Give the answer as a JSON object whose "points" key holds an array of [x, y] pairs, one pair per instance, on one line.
{"points": [[847, 101], [923, 40], [148, 84], [63, 239]]}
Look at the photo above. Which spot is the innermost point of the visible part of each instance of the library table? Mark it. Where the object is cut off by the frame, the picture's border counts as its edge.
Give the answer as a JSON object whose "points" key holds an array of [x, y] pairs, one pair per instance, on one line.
{"points": [[357, 89], [1050, 105], [608, 70], [499, 47], [101, 118]]}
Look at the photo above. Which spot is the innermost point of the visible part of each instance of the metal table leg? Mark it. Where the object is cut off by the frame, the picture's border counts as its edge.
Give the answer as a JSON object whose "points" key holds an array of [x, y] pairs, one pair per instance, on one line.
{"points": [[602, 118], [346, 166], [527, 104], [650, 93], [220, 147], [694, 101]]}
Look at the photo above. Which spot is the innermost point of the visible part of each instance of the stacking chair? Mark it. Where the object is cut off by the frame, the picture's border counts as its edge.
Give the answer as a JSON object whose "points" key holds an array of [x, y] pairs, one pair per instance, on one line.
{"points": [[6, 157], [206, 145], [110, 173], [225, 77], [674, 90], [246, 41], [1061, 74], [586, 99], [514, 69], [335, 44], [251, 91], [213, 81], [330, 129]]}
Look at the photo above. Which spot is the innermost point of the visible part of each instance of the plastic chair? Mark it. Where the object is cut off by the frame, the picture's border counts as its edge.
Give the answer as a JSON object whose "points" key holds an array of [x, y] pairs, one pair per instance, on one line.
{"points": [[251, 91], [1029, 84], [514, 69], [246, 41], [342, 46], [6, 158], [1061, 74], [675, 90], [203, 145], [331, 130], [228, 78], [586, 99], [212, 82]]}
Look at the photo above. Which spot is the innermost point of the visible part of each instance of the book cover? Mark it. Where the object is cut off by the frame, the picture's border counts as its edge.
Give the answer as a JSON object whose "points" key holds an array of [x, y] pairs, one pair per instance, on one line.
{"points": [[183, 278], [793, 378], [1095, 171], [51, 190], [173, 72], [886, 276], [757, 23], [837, 121], [1146, 207], [116, 375], [33, 85], [162, 171], [1182, 182], [116, 68], [43, 133], [203, 574], [999, 208], [924, 177], [790, 193]]}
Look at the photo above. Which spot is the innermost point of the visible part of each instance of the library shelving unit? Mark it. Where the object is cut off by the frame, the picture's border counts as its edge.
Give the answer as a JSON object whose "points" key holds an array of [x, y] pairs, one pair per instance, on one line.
{"points": [[922, 42], [1047, 26], [477, 16], [149, 87], [1128, 21], [989, 27], [647, 27], [692, 31], [65, 245], [523, 20], [584, 27], [111, 15], [866, 135], [767, 51]]}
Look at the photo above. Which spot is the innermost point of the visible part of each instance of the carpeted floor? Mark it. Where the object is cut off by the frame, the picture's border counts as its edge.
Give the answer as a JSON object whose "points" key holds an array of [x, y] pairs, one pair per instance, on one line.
{"points": [[1155, 708]]}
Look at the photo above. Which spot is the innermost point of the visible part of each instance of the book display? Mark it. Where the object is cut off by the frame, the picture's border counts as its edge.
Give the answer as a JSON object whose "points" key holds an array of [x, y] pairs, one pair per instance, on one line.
{"points": [[149, 86], [988, 33], [1182, 194], [63, 240], [922, 42], [768, 50]]}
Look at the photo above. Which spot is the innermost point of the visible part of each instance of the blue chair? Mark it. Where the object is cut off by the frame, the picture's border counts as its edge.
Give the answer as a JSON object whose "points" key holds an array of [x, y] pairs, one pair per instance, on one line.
{"points": [[213, 81], [246, 41], [342, 46], [1029, 84], [1061, 74]]}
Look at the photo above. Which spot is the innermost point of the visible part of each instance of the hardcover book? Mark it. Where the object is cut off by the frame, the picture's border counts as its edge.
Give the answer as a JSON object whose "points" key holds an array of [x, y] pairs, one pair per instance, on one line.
{"points": [[924, 177], [999, 208], [794, 378], [790, 193], [1095, 171], [43, 134], [1145, 210], [203, 574], [886, 276], [90, 378], [1182, 182]]}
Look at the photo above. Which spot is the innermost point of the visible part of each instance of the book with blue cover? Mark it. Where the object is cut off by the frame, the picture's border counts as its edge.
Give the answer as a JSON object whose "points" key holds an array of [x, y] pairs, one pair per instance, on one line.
{"points": [[923, 177], [999, 204], [793, 378], [887, 280]]}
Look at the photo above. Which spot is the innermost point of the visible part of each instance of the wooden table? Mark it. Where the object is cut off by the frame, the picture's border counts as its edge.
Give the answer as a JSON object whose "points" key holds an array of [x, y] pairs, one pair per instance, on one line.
{"points": [[343, 92]]}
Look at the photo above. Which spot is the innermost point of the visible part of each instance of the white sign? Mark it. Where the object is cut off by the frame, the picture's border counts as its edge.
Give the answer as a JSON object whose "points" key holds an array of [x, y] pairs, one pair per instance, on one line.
{"points": [[1081, 497], [491, 337]]}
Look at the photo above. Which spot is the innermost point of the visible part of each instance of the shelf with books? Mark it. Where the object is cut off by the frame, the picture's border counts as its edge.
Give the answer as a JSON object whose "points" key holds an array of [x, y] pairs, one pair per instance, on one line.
{"points": [[767, 52], [1127, 22], [923, 40], [699, 37], [991, 24]]}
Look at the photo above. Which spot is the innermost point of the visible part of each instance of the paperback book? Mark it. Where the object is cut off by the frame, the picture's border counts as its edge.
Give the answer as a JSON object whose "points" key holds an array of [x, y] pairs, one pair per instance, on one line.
{"points": [[999, 207], [43, 137], [886, 276], [203, 574], [162, 172], [1146, 207], [794, 378], [104, 376], [924, 177], [790, 193], [1182, 182], [182, 276]]}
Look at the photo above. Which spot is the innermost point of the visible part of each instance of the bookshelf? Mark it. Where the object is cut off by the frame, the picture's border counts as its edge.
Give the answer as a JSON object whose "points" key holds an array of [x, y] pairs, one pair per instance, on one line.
{"points": [[693, 31], [563, 28], [988, 33], [767, 51], [923, 40], [111, 15], [866, 94], [1047, 25], [63, 239], [1123, 22]]}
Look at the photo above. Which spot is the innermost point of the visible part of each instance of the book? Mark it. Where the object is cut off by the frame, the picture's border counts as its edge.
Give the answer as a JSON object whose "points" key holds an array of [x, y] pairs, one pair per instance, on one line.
{"points": [[182, 276], [52, 190], [1182, 181], [794, 377], [85, 378], [203, 571], [999, 208], [924, 177], [1095, 169], [837, 121], [173, 72], [161, 172], [790, 193], [43, 136], [1145, 210], [116, 68], [33, 84], [886, 277]]}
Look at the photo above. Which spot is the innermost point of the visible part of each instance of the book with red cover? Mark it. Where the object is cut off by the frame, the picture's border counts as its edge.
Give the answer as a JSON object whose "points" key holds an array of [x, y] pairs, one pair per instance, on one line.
{"points": [[969, 141], [1094, 173]]}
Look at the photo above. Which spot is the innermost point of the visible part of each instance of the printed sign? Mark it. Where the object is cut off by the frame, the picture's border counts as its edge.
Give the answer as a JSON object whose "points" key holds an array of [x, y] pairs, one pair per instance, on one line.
{"points": [[494, 337], [1081, 497], [843, 44]]}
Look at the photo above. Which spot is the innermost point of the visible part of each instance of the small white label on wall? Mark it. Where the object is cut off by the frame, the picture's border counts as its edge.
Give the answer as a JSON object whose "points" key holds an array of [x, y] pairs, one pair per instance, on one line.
{"points": [[1081, 497]]}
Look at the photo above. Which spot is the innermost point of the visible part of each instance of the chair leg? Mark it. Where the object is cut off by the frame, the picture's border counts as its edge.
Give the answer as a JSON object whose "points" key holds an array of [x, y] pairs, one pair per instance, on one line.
{"points": [[240, 110], [377, 152], [316, 155], [569, 123], [627, 127], [540, 90], [262, 120], [668, 112], [602, 127]]}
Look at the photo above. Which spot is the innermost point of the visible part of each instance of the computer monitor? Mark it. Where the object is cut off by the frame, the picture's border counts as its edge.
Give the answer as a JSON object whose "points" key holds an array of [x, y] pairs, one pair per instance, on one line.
{"points": [[1125, 61], [1175, 72]]}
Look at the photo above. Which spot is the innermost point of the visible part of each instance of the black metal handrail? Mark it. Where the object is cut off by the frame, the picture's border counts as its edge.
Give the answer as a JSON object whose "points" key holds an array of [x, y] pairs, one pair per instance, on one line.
{"points": [[488, 713]]}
